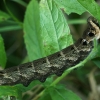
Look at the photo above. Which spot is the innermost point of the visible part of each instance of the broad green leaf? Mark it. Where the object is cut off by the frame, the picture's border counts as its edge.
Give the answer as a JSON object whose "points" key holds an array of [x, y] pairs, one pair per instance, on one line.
{"points": [[46, 29], [59, 93], [3, 58], [32, 31], [55, 30], [7, 92], [70, 6], [3, 16], [92, 7], [45, 96]]}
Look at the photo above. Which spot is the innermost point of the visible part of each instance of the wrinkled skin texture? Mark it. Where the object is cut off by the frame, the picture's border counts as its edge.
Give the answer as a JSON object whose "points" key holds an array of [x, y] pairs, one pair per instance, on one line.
{"points": [[56, 63]]}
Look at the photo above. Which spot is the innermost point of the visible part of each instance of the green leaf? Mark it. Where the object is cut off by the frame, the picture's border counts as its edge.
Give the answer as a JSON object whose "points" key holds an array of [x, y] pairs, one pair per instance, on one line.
{"points": [[3, 16], [32, 31], [59, 93], [92, 7], [7, 92], [46, 96], [70, 6], [55, 30], [3, 58], [46, 29]]}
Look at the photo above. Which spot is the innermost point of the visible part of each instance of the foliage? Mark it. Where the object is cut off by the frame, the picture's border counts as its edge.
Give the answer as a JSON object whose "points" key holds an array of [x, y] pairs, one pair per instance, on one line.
{"points": [[46, 31]]}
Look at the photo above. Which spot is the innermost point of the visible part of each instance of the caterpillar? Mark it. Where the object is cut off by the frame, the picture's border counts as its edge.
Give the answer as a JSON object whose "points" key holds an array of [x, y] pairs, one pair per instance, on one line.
{"points": [[56, 63]]}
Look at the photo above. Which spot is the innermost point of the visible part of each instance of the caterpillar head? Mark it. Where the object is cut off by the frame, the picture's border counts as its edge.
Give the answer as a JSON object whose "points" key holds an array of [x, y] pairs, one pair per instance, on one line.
{"points": [[93, 30]]}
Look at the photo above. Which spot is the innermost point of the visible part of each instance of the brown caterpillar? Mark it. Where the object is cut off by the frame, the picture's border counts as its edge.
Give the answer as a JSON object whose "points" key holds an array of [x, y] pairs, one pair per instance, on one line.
{"points": [[56, 63]]}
